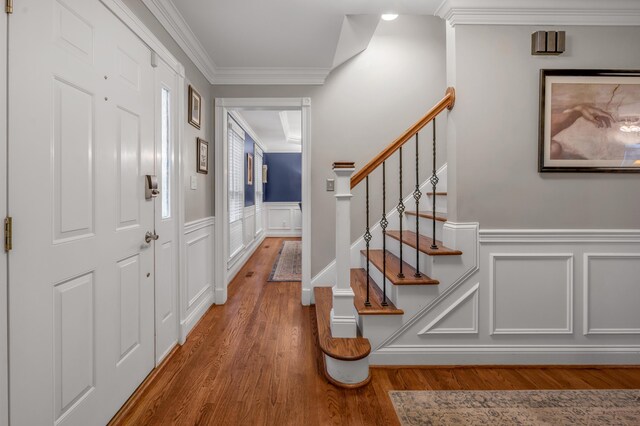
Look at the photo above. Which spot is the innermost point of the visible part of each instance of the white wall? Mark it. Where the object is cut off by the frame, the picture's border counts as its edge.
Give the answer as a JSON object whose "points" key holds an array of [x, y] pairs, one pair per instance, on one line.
{"points": [[363, 106], [495, 152], [197, 289]]}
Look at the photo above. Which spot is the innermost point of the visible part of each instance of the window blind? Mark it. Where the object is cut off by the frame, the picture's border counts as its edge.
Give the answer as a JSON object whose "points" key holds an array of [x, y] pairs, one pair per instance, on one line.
{"points": [[235, 140]]}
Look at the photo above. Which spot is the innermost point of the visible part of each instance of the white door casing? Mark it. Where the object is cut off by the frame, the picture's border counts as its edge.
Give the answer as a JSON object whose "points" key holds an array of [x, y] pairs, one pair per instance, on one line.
{"points": [[223, 107], [166, 210], [81, 276]]}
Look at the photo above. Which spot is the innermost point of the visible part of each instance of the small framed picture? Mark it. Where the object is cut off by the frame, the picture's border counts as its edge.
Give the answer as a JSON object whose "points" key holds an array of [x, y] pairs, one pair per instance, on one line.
{"points": [[203, 156], [265, 171], [249, 169], [589, 121], [195, 107]]}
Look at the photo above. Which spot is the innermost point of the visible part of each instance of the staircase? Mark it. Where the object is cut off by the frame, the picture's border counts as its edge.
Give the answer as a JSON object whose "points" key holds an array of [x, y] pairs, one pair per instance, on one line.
{"points": [[400, 265]]}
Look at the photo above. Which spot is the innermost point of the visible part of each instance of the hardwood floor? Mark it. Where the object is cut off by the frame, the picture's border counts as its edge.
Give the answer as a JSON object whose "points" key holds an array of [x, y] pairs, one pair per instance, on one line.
{"points": [[256, 361]]}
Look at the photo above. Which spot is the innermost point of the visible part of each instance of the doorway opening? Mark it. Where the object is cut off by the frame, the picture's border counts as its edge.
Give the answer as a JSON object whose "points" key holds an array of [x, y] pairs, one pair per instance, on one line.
{"points": [[263, 187]]}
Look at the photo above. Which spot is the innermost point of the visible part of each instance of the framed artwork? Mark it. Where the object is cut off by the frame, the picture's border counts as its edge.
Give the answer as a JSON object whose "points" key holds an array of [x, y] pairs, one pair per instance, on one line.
{"points": [[195, 107], [203, 156], [265, 171], [249, 169], [589, 121]]}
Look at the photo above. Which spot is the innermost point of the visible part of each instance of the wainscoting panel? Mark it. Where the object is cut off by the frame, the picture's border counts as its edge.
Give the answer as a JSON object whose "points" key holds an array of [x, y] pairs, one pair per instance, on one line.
{"points": [[197, 290], [531, 293], [612, 293], [543, 297], [282, 219]]}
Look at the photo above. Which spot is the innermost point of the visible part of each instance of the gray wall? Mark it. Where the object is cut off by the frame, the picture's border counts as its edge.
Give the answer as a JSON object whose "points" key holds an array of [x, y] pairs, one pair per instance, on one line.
{"points": [[496, 132], [363, 106], [200, 202]]}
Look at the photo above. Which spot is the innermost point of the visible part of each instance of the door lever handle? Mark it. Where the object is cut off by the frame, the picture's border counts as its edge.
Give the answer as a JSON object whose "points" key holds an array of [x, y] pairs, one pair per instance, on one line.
{"points": [[150, 236]]}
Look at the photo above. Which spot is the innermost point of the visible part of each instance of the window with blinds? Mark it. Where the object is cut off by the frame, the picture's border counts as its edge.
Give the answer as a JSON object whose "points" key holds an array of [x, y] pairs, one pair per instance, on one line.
{"points": [[258, 190], [235, 140]]}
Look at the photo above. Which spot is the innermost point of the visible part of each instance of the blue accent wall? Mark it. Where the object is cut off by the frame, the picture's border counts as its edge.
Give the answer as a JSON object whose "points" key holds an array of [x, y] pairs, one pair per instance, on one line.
{"points": [[284, 177], [249, 190]]}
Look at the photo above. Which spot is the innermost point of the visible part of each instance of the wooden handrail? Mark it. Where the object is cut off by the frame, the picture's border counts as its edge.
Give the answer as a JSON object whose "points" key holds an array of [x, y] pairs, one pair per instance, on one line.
{"points": [[445, 103]]}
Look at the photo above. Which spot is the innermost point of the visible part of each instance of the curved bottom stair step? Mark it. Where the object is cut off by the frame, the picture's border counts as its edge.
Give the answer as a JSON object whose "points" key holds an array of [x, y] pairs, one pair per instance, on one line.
{"points": [[345, 359]]}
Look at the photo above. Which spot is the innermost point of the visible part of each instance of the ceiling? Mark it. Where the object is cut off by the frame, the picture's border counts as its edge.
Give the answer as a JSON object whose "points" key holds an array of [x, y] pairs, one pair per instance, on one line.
{"points": [[276, 131], [271, 42], [300, 42]]}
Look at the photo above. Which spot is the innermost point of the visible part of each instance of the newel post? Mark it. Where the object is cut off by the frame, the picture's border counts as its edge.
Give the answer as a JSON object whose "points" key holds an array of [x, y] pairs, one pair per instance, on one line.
{"points": [[343, 320]]}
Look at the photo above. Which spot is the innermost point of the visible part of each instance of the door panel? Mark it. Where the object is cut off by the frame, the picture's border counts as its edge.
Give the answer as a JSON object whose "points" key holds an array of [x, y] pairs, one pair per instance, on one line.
{"points": [[81, 276]]}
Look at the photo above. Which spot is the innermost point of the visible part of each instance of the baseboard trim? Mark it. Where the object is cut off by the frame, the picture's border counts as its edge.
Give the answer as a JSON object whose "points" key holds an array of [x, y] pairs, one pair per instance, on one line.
{"points": [[242, 258], [137, 394], [189, 323], [509, 366], [506, 355]]}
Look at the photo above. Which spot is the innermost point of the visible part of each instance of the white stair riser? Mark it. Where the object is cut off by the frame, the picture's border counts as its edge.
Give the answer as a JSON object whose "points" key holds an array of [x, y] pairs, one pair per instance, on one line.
{"points": [[409, 298], [426, 203], [409, 255], [426, 226]]}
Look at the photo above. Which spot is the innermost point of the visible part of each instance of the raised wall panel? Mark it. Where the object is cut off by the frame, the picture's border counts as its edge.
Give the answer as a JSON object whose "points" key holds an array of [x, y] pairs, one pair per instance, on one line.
{"points": [[531, 293], [73, 139], [130, 183], [74, 336], [128, 69], [612, 293], [197, 261], [73, 33], [129, 286], [165, 290], [279, 218]]}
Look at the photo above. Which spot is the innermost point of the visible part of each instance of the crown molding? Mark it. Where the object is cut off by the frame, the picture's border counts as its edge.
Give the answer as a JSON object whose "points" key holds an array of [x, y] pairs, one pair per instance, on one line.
{"points": [[540, 12], [171, 19], [262, 75]]}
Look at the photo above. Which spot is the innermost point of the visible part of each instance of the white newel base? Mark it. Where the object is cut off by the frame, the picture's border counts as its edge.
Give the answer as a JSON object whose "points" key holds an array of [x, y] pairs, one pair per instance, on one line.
{"points": [[343, 326], [347, 372]]}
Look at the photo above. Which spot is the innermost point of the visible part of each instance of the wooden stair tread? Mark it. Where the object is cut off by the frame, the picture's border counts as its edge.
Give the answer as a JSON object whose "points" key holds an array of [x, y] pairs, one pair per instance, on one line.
{"points": [[438, 194], [359, 286], [410, 238], [342, 348], [393, 267], [440, 216]]}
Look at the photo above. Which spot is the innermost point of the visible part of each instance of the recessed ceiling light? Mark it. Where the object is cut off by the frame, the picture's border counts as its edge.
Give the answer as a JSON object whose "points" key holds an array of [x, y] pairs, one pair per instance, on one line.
{"points": [[389, 16]]}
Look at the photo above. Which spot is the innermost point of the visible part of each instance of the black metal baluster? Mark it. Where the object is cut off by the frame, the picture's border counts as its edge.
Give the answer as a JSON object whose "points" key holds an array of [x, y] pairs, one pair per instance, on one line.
{"points": [[434, 183], [416, 196], [383, 225], [367, 239], [400, 215]]}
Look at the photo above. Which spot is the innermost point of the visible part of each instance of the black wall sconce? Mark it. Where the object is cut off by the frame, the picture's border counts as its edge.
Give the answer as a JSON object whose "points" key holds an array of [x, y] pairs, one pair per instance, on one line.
{"points": [[548, 42]]}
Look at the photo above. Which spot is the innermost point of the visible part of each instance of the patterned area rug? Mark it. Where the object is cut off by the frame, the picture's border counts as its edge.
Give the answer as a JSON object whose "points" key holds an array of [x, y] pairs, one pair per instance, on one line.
{"points": [[288, 264], [547, 407]]}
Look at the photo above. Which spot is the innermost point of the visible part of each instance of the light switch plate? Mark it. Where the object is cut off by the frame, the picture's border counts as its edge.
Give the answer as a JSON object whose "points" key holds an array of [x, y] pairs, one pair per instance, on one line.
{"points": [[194, 182], [331, 185]]}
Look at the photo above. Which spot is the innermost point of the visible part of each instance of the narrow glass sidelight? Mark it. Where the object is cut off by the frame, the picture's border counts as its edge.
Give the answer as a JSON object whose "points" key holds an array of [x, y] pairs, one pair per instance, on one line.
{"points": [[167, 154]]}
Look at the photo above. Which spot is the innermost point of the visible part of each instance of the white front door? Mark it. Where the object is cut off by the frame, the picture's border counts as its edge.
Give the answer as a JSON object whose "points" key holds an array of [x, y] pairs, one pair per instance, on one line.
{"points": [[166, 247], [81, 139]]}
